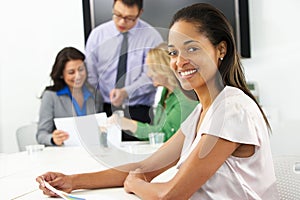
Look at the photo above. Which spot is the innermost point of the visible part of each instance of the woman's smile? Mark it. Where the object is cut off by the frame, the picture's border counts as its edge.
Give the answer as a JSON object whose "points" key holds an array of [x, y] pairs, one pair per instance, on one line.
{"points": [[187, 73]]}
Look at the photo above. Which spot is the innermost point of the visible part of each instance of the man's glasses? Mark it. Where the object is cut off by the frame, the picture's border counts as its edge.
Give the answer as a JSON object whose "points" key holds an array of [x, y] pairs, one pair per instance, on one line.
{"points": [[126, 19]]}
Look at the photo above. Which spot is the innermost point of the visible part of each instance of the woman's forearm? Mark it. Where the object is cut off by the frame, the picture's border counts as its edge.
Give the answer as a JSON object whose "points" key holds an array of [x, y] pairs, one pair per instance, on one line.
{"points": [[95, 180], [114, 177], [129, 124]]}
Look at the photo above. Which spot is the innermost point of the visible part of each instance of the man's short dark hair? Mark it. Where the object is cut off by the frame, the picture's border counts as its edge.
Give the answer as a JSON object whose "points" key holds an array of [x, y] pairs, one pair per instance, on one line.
{"points": [[131, 3]]}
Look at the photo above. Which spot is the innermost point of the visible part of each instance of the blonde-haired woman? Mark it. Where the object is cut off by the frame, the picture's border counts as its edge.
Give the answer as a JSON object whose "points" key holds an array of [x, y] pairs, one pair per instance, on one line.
{"points": [[173, 106]]}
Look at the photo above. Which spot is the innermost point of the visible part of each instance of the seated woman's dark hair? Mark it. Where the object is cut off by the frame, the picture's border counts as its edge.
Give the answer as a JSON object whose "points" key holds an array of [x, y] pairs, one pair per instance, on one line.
{"points": [[65, 55]]}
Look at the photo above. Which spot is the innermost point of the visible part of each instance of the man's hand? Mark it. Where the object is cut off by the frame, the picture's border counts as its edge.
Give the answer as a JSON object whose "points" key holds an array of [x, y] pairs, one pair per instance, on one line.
{"points": [[117, 96]]}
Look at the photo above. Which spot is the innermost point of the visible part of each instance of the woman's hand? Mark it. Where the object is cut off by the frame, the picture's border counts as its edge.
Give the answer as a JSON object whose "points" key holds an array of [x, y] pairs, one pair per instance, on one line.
{"points": [[58, 180], [133, 179], [113, 120], [59, 137]]}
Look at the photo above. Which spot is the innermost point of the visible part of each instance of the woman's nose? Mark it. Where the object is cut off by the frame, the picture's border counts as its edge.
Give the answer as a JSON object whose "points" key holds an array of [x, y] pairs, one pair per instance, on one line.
{"points": [[181, 61], [77, 74]]}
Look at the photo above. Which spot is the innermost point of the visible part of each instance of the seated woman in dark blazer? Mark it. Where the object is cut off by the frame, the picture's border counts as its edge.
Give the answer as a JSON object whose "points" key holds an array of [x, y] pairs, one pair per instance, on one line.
{"points": [[70, 95]]}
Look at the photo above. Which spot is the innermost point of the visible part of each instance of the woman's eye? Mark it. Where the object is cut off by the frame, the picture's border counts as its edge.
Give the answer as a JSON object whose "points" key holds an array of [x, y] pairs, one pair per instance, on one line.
{"points": [[192, 49], [81, 69], [172, 53]]}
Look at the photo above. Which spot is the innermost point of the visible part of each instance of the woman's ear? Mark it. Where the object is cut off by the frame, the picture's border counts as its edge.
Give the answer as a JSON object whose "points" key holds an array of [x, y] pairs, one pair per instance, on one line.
{"points": [[222, 49]]}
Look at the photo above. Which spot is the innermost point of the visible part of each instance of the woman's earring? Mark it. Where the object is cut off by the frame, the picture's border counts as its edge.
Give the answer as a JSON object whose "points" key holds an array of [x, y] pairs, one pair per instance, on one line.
{"points": [[221, 58]]}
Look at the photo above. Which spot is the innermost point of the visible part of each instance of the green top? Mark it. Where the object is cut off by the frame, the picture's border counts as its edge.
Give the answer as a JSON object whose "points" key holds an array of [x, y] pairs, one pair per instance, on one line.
{"points": [[168, 119]]}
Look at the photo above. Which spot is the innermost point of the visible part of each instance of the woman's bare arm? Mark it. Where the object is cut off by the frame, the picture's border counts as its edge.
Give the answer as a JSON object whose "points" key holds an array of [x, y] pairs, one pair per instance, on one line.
{"points": [[210, 153], [162, 159]]}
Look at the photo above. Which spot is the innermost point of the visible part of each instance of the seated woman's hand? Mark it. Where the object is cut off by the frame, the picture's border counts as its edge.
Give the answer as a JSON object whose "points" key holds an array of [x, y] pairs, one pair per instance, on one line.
{"points": [[59, 137]]}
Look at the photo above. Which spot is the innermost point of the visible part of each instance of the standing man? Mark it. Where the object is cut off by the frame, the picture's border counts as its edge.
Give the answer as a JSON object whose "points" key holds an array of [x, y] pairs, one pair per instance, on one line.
{"points": [[116, 52]]}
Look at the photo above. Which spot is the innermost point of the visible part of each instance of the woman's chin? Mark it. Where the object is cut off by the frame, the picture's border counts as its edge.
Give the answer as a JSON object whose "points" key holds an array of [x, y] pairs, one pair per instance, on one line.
{"points": [[186, 86], [77, 87], [156, 84]]}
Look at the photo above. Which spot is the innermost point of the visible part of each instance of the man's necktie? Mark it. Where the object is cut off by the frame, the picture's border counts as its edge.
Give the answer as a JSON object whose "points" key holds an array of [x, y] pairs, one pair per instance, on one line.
{"points": [[122, 65]]}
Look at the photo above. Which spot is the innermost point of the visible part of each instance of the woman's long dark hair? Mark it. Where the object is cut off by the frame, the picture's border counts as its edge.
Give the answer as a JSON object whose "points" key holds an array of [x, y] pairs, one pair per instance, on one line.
{"points": [[65, 55], [213, 24]]}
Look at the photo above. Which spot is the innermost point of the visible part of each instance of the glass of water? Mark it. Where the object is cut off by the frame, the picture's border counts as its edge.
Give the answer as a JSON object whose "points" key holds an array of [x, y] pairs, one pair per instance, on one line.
{"points": [[103, 136], [156, 139], [118, 114]]}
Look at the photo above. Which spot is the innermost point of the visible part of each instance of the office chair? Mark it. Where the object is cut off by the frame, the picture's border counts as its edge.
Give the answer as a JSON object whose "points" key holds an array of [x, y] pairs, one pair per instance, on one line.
{"points": [[26, 136], [287, 171]]}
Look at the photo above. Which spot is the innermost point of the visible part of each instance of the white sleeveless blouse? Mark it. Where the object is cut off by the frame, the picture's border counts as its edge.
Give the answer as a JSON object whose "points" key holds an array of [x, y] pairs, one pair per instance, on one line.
{"points": [[235, 117]]}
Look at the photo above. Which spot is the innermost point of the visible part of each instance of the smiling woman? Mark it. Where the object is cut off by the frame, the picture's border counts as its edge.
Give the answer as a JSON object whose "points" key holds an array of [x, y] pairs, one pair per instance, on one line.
{"points": [[75, 75], [70, 95], [222, 149]]}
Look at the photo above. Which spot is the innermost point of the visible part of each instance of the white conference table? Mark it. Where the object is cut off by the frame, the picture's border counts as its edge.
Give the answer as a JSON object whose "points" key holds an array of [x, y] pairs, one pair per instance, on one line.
{"points": [[19, 170]]}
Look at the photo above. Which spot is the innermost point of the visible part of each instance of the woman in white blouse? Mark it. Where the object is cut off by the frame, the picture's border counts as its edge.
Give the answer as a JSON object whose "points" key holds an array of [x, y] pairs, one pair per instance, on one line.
{"points": [[222, 149]]}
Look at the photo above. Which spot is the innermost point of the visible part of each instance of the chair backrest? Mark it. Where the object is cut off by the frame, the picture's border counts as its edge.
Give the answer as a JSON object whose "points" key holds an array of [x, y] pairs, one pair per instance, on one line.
{"points": [[287, 170], [26, 135]]}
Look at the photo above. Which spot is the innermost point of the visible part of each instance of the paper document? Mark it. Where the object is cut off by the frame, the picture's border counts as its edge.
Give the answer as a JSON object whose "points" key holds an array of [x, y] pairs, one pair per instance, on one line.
{"points": [[72, 125], [62, 194]]}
